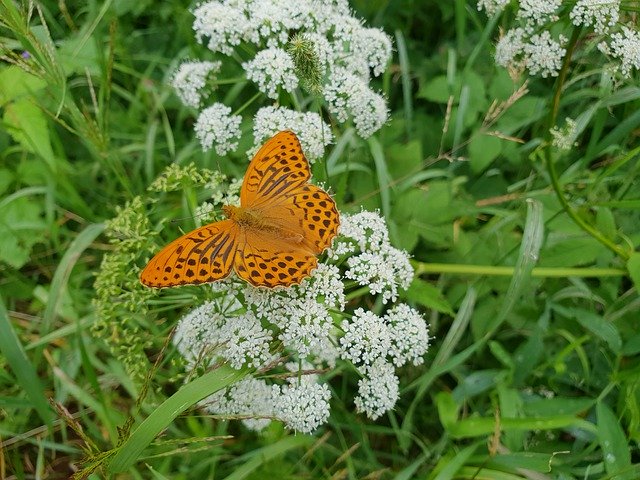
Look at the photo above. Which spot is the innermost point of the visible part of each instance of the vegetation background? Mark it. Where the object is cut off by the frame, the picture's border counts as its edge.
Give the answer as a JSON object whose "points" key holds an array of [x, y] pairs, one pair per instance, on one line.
{"points": [[534, 369]]}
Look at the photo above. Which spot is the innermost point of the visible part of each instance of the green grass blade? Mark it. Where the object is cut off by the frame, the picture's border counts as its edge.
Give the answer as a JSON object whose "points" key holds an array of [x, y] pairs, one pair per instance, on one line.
{"points": [[61, 276], [384, 180], [256, 459], [25, 373], [405, 75], [188, 395]]}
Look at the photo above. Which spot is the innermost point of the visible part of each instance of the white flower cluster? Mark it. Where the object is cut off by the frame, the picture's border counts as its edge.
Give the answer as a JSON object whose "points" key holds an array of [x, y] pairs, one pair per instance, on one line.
{"points": [[372, 260], [190, 80], [271, 69], [296, 332], [539, 53], [375, 345], [602, 14], [625, 47], [216, 126], [530, 45], [345, 53], [565, 138], [492, 6], [313, 133]]}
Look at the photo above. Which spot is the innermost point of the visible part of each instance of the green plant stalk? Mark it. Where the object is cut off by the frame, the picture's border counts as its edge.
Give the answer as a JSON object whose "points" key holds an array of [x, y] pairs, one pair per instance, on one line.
{"points": [[551, 168], [495, 271]]}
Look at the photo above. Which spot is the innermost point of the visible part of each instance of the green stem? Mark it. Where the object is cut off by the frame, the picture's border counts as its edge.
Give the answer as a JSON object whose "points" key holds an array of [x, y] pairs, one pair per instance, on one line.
{"points": [[490, 270], [551, 167], [247, 103]]}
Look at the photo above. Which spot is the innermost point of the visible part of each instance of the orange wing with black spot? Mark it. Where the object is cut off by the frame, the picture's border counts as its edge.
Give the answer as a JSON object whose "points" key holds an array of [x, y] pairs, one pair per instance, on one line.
{"points": [[201, 256]]}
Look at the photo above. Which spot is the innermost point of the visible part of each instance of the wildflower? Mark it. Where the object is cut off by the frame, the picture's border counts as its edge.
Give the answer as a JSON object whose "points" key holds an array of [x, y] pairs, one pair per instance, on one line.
{"points": [[313, 133], [378, 265], [409, 335], [602, 14], [303, 407], [624, 46], [565, 138], [216, 126], [271, 69], [223, 24], [544, 55], [539, 11], [378, 391], [509, 47], [248, 397], [492, 6], [366, 338], [191, 78], [349, 96]]}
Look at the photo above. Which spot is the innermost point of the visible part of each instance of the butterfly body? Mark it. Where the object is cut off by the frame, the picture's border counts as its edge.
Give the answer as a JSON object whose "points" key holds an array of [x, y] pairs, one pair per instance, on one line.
{"points": [[270, 240]]}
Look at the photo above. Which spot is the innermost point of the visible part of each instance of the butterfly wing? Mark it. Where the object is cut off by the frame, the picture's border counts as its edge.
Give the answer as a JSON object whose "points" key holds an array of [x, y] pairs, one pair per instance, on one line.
{"points": [[309, 211], [264, 260], [278, 168], [203, 255]]}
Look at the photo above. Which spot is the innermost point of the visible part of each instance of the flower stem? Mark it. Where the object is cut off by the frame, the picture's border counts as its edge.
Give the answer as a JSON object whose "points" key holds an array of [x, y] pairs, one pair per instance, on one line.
{"points": [[491, 270], [550, 164]]}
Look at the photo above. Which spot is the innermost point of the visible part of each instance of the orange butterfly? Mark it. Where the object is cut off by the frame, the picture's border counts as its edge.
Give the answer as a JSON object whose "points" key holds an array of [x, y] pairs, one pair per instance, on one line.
{"points": [[272, 239]]}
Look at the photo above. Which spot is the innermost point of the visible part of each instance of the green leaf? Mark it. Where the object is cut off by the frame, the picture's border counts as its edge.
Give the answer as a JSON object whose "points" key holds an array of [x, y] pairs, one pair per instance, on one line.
{"points": [[15, 82], [483, 149], [437, 90], [427, 295], [633, 265], [447, 409], [29, 127], [615, 450], [601, 328], [21, 227]]}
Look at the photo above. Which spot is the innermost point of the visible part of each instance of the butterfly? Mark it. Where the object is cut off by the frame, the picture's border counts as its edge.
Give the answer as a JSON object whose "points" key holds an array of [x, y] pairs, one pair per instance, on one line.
{"points": [[273, 237]]}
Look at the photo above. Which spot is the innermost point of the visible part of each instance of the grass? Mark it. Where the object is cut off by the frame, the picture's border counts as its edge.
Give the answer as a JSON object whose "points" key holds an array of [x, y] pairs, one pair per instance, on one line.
{"points": [[527, 262]]}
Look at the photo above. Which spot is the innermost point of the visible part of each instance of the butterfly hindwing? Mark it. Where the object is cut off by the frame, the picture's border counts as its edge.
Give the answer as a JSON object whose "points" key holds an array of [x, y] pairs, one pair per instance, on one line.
{"points": [[201, 256], [266, 261], [279, 167]]}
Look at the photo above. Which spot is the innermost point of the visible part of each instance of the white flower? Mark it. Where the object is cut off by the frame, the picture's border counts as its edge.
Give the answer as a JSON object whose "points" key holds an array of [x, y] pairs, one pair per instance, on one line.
{"points": [[365, 339], [225, 26], [409, 335], [246, 342], [304, 326], [190, 79], [195, 336], [378, 391], [216, 126], [380, 266], [313, 133], [303, 407], [565, 138], [539, 11], [602, 14], [350, 96], [249, 396], [271, 69], [543, 55], [509, 47], [626, 47], [492, 6]]}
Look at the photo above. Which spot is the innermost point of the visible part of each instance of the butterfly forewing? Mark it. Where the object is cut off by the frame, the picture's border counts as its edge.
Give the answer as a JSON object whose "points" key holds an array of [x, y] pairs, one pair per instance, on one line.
{"points": [[277, 168], [203, 255]]}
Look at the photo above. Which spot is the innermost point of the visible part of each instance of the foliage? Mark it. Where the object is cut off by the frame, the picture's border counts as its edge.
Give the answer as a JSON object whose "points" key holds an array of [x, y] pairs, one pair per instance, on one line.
{"points": [[526, 252]]}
